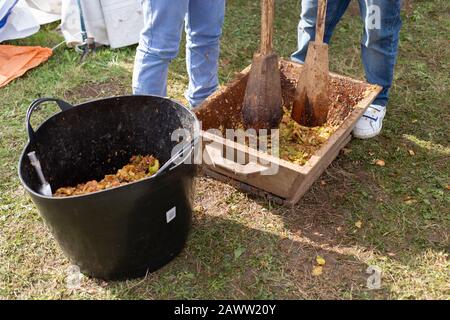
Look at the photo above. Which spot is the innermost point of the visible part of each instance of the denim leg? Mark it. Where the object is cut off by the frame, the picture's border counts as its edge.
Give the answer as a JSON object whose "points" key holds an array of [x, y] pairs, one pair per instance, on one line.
{"points": [[158, 44], [307, 25], [203, 30], [379, 45]]}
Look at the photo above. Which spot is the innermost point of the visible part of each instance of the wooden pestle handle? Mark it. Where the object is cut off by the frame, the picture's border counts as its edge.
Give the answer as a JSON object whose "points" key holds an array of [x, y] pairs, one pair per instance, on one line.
{"points": [[267, 15], [320, 23]]}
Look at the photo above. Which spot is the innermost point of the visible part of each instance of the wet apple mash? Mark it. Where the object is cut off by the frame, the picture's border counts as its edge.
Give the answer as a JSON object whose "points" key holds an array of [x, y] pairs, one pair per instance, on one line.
{"points": [[138, 168]]}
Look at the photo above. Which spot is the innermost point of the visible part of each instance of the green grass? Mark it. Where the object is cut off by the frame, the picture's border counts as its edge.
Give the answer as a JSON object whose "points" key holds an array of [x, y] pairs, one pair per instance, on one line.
{"points": [[245, 247]]}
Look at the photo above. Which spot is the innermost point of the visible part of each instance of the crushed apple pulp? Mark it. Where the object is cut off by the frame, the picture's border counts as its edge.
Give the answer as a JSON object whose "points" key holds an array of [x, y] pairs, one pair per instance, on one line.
{"points": [[138, 168]]}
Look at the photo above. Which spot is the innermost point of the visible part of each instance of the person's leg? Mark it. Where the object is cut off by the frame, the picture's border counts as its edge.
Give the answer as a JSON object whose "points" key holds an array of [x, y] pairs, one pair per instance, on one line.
{"points": [[307, 25], [158, 45], [203, 30], [379, 45]]}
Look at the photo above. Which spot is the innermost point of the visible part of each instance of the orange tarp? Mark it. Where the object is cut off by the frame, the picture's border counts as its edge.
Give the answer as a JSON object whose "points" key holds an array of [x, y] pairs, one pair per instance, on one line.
{"points": [[16, 60]]}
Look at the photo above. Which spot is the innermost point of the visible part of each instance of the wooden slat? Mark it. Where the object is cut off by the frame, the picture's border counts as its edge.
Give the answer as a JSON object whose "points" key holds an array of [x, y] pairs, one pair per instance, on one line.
{"points": [[281, 182]]}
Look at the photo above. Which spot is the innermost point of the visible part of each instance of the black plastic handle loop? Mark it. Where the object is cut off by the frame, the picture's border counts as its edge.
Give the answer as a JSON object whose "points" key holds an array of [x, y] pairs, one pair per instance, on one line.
{"points": [[35, 104]]}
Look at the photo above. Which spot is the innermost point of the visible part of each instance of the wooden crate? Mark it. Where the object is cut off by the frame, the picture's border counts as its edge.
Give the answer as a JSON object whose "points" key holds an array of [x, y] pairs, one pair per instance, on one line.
{"points": [[223, 110]]}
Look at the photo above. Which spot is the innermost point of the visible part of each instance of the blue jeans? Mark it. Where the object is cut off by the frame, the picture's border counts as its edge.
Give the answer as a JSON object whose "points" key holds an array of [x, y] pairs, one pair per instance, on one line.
{"points": [[379, 42], [160, 40]]}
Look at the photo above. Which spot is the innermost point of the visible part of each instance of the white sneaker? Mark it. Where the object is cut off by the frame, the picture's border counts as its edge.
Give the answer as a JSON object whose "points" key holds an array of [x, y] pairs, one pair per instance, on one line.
{"points": [[371, 122]]}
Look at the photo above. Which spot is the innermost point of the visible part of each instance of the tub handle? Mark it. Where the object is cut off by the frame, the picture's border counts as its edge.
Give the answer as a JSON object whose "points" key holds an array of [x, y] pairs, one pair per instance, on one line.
{"points": [[183, 152], [35, 104], [215, 155]]}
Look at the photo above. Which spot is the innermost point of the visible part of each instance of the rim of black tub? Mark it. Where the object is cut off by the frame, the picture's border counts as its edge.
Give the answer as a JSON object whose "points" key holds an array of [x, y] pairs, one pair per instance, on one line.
{"points": [[65, 106]]}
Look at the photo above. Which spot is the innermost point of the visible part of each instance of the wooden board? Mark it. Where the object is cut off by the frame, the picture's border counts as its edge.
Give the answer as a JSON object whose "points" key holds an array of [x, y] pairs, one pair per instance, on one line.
{"points": [[223, 110]]}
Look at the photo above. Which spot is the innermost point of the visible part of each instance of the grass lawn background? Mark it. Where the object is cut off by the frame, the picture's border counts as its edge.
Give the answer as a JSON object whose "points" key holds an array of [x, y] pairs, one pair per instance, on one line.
{"points": [[358, 214]]}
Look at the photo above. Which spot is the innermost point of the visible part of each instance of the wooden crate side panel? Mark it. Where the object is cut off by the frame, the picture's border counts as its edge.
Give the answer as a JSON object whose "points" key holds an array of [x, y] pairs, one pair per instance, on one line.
{"points": [[345, 129], [280, 184], [223, 108], [293, 70], [302, 185], [323, 158]]}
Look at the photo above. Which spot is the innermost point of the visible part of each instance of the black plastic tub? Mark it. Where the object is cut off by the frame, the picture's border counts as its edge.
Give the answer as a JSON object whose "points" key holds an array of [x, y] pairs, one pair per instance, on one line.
{"points": [[127, 231]]}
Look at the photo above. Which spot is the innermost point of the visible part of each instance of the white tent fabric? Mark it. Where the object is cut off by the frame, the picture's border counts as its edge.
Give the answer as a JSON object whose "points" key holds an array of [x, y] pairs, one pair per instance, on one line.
{"points": [[26, 16], [20, 22], [93, 19], [110, 22], [45, 11], [6, 7], [124, 21]]}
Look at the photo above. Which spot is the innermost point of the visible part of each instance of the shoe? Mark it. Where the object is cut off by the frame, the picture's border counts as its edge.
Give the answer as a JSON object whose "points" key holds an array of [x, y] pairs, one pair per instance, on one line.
{"points": [[371, 122]]}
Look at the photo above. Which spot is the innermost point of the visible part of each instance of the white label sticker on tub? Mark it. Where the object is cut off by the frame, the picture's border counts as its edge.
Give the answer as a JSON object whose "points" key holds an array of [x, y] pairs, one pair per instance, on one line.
{"points": [[171, 214]]}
